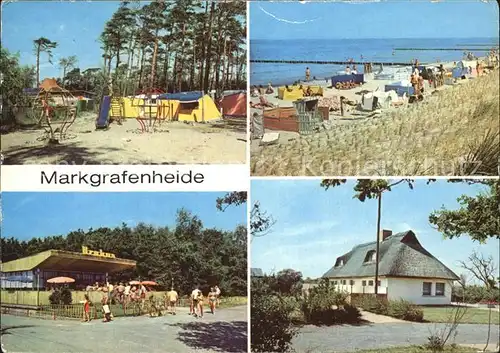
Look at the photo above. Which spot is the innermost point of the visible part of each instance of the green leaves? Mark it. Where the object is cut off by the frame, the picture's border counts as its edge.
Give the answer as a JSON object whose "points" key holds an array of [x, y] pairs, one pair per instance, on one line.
{"points": [[477, 217]]}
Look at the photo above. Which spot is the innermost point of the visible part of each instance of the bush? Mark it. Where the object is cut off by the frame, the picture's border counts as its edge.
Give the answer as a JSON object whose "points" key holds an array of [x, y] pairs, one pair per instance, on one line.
{"points": [[326, 306], [271, 323], [61, 297], [435, 344], [474, 294], [404, 310], [372, 304]]}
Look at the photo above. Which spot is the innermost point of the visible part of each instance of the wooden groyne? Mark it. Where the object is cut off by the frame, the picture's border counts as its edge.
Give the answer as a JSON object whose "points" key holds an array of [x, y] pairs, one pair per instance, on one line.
{"points": [[322, 62]]}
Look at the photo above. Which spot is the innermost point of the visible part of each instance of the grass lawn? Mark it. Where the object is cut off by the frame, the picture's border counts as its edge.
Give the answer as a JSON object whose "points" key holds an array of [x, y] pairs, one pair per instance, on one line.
{"points": [[472, 316], [419, 349]]}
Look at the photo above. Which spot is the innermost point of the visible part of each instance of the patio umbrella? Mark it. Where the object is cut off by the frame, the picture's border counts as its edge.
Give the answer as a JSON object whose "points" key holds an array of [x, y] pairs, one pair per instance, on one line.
{"points": [[149, 283], [134, 282], [60, 280]]}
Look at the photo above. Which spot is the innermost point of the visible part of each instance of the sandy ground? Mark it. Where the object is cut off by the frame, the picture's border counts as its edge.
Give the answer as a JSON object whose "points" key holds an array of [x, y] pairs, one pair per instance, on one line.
{"points": [[172, 143], [428, 138], [226, 331]]}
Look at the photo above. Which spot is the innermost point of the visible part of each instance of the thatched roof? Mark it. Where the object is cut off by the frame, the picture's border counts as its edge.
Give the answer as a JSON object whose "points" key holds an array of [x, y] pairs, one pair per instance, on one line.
{"points": [[50, 85], [401, 255]]}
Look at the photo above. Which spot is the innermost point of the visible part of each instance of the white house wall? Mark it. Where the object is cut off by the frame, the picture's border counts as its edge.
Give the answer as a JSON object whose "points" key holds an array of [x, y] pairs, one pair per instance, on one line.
{"points": [[411, 289], [358, 287]]}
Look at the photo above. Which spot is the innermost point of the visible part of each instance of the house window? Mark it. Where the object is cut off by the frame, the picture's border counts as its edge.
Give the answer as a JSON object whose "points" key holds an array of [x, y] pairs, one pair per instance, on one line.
{"points": [[371, 256], [363, 283], [343, 281], [352, 282], [340, 262], [370, 282], [335, 282], [426, 288], [378, 284], [440, 289]]}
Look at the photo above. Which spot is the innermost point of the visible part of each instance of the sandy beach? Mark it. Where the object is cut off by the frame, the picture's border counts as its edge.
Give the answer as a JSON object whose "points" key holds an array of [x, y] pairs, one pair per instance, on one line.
{"points": [[171, 143], [431, 137]]}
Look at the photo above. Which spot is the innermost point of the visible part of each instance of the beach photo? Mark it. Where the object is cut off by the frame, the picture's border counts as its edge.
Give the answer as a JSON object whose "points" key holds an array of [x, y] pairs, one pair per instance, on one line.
{"points": [[130, 82], [375, 266], [124, 272], [374, 88]]}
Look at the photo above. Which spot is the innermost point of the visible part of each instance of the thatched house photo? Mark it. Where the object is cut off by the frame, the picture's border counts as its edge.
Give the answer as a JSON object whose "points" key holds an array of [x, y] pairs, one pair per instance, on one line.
{"points": [[406, 271]]}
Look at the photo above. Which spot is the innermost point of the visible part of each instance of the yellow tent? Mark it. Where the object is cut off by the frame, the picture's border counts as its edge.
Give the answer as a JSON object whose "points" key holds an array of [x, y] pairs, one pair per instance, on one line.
{"points": [[186, 106], [296, 92]]}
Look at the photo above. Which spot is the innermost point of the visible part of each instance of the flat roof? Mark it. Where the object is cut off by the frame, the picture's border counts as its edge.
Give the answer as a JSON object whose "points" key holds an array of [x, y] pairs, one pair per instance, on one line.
{"points": [[59, 260]]}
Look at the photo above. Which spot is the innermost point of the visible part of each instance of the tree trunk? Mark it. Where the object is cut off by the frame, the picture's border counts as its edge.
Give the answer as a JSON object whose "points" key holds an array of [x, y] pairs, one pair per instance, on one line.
{"points": [[202, 52], [193, 70], [219, 54], [109, 65], [38, 66], [181, 65], [165, 65], [379, 214], [141, 64], [206, 80], [153, 63], [64, 75], [117, 58]]}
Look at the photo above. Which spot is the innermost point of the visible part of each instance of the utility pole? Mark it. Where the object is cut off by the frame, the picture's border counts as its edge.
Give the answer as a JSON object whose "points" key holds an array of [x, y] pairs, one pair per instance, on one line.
{"points": [[379, 211]]}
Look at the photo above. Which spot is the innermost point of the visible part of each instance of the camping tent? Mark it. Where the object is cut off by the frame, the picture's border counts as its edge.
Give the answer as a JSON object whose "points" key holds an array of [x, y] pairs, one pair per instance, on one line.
{"points": [[295, 92], [190, 106], [234, 105], [185, 106]]}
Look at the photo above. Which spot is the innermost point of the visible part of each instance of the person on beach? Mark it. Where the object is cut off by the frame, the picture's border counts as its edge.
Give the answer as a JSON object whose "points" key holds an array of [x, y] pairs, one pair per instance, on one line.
{"points": [[212, 299], [270, 89], [354, 70], [308, 74], [172, 298], [217, 292], [195, 299], [254, 91], [348, 69], [86, 308]]}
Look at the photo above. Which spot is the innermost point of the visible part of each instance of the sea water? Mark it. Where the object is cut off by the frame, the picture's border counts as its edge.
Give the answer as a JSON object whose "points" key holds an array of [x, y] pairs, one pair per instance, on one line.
{"points": [[375, 50]]}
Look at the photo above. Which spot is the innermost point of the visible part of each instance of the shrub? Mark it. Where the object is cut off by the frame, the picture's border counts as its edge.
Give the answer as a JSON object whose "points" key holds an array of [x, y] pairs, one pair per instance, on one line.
{"points": [[404, 310], [474, 294], [271, 323], [61, 296], [435, 343], [372, 304], [326, 306]]}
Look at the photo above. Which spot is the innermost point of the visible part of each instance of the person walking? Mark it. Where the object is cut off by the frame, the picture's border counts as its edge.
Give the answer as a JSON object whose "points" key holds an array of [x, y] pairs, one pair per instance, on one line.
{"points": [[308, 74], [172, 298]]}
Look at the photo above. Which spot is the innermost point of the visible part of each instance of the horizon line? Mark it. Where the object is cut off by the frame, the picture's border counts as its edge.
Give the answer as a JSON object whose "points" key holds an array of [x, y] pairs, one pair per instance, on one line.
{"points": [[498, 38]]}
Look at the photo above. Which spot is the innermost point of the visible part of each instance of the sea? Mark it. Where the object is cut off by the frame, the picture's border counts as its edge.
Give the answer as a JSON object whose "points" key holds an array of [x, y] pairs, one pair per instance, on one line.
{"points": [[375, 50]]}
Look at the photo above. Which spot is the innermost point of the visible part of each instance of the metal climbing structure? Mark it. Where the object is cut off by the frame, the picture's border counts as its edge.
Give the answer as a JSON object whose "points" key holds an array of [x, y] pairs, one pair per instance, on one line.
{"points": [[55, 108]]}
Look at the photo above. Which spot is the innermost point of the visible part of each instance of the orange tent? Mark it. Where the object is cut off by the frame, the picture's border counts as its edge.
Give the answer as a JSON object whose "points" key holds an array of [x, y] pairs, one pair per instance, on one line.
{"points": [[234, 105], [50, 85]]}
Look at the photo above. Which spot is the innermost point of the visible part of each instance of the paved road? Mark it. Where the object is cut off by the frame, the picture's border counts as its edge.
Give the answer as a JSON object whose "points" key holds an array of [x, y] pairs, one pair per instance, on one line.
{"points": [[347, 338], [226, 331]]}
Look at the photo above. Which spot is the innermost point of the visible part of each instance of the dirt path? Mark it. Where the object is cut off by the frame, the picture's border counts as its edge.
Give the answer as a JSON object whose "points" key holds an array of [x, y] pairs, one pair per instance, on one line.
{"points": [[172, 143], [379, 319], [226, 331]]}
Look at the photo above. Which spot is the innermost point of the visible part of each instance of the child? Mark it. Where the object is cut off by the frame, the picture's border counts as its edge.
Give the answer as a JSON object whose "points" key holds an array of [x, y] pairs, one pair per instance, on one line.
{"points": [[86, 308]]}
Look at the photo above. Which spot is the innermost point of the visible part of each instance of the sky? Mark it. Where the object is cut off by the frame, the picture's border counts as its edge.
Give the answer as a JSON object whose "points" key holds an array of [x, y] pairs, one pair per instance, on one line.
{"points": [[37, 214], [75, 26], [313, 226], [391, 19]]}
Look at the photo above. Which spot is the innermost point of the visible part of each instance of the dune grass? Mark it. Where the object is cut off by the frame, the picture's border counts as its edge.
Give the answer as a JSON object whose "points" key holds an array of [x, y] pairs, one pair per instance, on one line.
{"points": [[446, 134]]}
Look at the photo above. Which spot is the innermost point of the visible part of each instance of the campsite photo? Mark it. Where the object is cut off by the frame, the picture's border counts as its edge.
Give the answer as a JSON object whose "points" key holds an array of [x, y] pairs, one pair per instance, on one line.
{"points": [[374, 88], [123, 82], [168, 275], [375, 265]]}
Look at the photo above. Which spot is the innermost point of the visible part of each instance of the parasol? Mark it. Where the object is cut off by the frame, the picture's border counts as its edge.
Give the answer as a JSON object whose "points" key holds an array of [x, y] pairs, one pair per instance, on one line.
{"points": [[134, 282], [60, 280], [149, 283]]}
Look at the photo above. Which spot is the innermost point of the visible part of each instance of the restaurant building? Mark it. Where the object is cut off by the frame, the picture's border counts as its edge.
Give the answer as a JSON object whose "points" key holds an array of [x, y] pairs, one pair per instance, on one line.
{"points": [[87, 267]]}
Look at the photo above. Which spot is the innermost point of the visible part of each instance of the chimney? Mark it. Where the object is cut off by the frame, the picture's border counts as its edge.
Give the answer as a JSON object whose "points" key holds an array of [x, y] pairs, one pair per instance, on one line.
{"points": [[384, 233]]}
